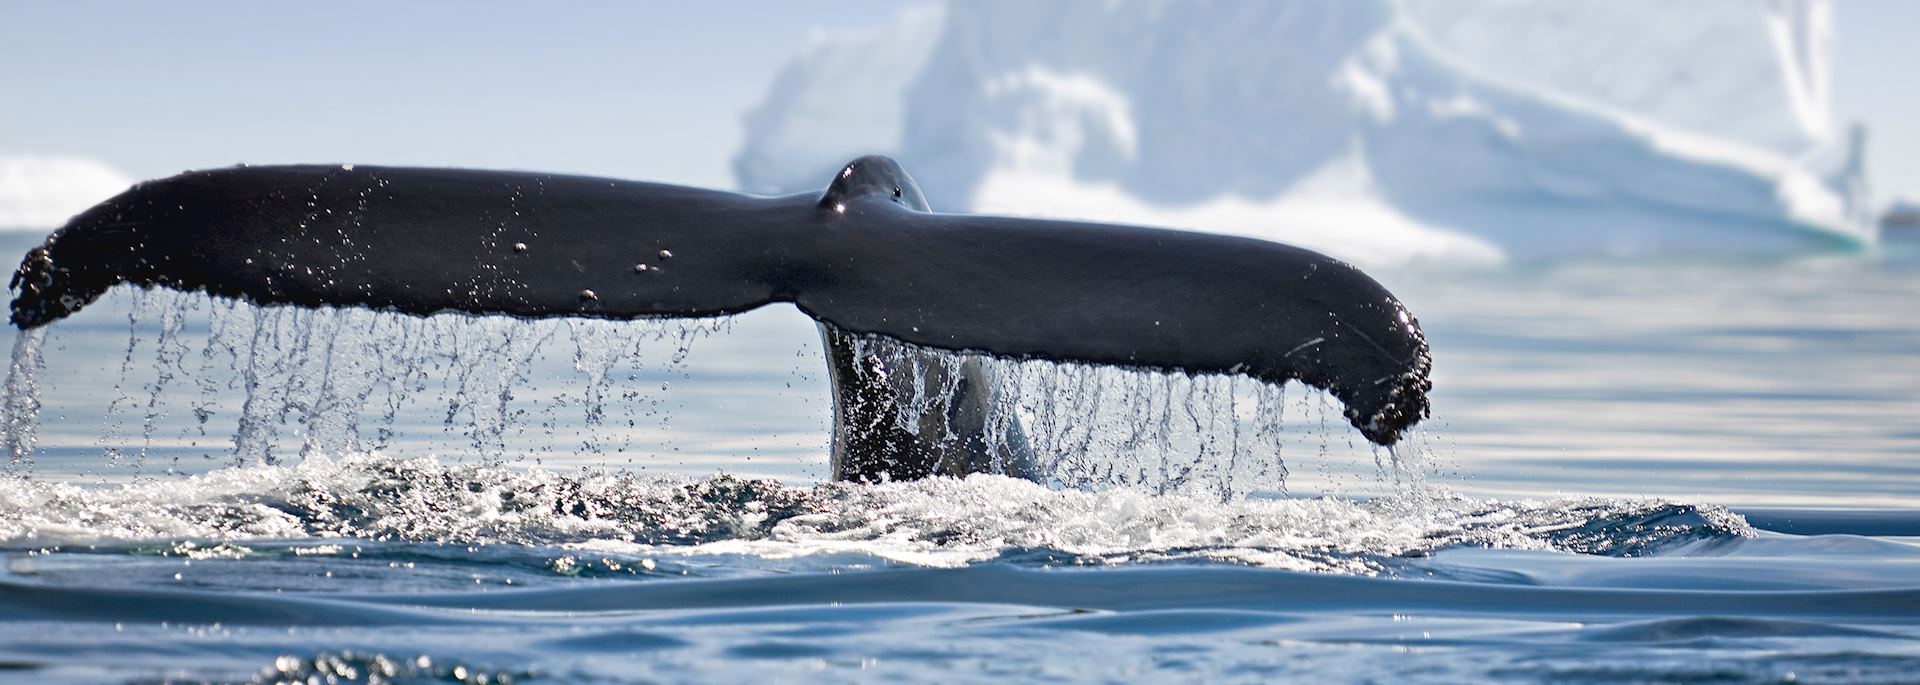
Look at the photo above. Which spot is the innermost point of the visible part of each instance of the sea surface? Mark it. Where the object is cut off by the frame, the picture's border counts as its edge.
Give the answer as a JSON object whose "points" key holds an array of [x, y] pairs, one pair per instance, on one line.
{"points": [[1636, 471]]}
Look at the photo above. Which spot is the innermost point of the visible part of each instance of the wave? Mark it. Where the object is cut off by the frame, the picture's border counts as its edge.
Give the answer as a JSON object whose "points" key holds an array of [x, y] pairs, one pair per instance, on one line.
{"points": [[939, 522]]}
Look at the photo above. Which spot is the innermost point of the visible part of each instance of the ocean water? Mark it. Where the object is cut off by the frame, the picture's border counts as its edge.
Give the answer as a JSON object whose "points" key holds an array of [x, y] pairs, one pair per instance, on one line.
{"points": [[1635, 472]]}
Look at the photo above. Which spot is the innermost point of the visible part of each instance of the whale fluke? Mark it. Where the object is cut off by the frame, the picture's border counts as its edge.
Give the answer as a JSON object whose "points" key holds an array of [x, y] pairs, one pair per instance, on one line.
{"points": [[863, 258]]}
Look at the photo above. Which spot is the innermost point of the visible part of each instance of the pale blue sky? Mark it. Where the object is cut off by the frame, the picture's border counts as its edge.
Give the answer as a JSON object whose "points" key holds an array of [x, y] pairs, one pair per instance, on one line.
{"points": [[650, 90], [633, 89]]}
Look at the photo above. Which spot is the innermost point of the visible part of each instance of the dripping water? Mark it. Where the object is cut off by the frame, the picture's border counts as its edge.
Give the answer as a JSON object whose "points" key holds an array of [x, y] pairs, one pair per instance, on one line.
{"points": [[1096, 427], [286, 383], [21, 401]]}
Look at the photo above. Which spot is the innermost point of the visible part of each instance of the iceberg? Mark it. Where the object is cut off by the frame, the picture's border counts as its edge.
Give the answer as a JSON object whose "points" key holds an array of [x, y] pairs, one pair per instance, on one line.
{"points": [[40, 192], [1901, 213], [1380, 131]]}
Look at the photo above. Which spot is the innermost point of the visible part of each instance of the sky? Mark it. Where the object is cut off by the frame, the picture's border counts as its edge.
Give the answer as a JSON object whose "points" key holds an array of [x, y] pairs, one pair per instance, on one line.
{"points": [[652, 90], [648, 90]]}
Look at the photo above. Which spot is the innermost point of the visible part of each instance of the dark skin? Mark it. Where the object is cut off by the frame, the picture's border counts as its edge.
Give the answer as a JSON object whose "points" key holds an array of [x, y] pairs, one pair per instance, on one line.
{"points": [[865, 258]]}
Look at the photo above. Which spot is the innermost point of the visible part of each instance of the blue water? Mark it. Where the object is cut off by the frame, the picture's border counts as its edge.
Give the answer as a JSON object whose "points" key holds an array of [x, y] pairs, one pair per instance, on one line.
{"points": [[1698, 472]]}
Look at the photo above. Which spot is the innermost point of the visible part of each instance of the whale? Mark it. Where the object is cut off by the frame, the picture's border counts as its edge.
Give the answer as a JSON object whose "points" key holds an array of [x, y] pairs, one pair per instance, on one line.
{"points": [[866, 260]]}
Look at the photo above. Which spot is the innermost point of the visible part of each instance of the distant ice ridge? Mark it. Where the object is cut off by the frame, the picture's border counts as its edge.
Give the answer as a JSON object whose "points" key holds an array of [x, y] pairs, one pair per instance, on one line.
{"points": [[1380, 131]]}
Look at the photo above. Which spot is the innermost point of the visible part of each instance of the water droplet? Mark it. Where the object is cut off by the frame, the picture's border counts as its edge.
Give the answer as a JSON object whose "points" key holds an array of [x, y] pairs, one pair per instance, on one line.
{"points": [[346, 167], [666, 254], [520, 248], [639, 268], [588, 295]]}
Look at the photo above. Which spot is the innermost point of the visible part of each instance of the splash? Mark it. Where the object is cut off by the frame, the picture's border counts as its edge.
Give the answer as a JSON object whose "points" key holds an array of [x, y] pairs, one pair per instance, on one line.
{"points": [[933, 522]]}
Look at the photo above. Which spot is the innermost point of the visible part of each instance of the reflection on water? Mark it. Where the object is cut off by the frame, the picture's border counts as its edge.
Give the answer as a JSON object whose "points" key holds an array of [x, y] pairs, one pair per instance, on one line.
{"points": [[1741, 383]]}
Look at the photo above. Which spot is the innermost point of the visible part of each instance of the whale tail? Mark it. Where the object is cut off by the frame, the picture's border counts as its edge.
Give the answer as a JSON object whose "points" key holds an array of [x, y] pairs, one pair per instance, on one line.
{"points": [[865, 257], [41, 298], [48, 291]]}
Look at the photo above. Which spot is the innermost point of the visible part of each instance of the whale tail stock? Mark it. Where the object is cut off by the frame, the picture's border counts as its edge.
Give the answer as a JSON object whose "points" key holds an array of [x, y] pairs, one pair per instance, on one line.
{"points": [[865, 258]]}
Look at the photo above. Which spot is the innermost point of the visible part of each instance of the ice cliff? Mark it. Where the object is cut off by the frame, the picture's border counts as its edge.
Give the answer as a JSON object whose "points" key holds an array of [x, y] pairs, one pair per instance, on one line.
{"points": [[1377, 130]]}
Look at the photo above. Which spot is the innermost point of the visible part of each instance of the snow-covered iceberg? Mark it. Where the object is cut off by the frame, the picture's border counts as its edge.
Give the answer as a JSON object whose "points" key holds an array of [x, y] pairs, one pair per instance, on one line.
{"points": [[1377, 130], [40, 192]]}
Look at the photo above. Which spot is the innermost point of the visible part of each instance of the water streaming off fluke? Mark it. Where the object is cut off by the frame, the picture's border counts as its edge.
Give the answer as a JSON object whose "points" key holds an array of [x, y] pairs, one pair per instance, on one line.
{"points": [[247, 384]]}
